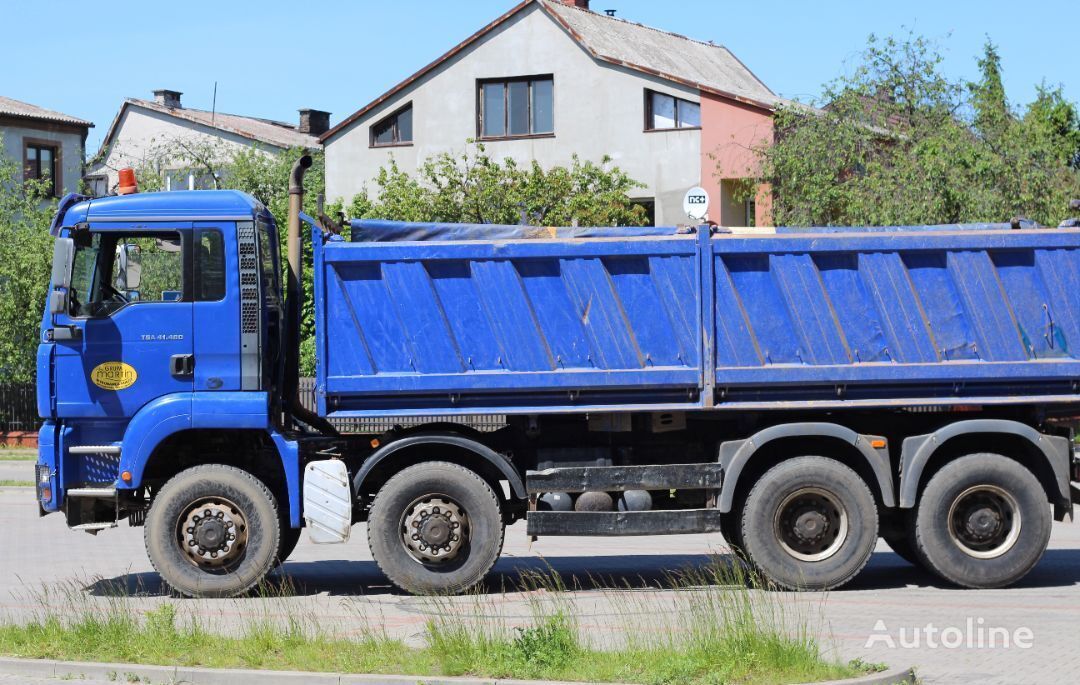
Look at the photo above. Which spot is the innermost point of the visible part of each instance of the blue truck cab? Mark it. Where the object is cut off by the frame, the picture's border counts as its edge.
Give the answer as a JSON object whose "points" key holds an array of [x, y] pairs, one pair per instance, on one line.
{"points": [[802, 392]]}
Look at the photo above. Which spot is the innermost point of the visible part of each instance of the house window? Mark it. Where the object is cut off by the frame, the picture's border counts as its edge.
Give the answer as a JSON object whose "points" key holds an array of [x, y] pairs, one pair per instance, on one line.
{"points": [[395, 129], [649, 205], [41, 162], [510, 108], [750, 212], [665, 112]]}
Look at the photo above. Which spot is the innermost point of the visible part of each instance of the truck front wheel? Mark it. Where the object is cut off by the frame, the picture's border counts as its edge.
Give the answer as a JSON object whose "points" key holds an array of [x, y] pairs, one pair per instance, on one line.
{"points": [[213, 531], [810, 523], [435, 528], [983, 521]]}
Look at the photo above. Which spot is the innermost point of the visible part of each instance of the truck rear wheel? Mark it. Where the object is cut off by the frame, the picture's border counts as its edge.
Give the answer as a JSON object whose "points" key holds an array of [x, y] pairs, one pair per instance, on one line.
{"points": [[212, 531], [435, 528], [983, 521], [901, 544], [810, 523]]}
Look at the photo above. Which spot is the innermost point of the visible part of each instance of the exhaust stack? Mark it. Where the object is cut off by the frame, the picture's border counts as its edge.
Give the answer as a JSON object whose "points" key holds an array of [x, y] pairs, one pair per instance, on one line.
{"points": [[294, 298]]}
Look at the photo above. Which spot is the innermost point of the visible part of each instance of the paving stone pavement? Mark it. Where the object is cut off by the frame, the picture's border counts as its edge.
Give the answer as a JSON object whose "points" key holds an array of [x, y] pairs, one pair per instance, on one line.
{"points": [[340, 588], [17, 470]]}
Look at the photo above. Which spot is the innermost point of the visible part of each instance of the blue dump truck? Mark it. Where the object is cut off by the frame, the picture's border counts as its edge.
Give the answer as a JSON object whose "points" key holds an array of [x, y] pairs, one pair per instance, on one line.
{"points": [[803, 392]]}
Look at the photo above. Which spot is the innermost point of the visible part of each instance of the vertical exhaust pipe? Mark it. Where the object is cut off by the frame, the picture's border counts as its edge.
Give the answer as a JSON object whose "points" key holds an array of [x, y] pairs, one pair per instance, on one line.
{"points": [[294, 299]]}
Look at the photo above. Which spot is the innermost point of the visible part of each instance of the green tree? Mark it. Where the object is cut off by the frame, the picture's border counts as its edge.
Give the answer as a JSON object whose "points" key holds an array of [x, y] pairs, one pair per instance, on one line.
{"points": [[898, 143], [474, 187], [25, 267]]}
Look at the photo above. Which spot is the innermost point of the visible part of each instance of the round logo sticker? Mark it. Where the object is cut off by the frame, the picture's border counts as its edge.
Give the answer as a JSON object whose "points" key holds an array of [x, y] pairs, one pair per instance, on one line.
{"points": [[113, 376]]}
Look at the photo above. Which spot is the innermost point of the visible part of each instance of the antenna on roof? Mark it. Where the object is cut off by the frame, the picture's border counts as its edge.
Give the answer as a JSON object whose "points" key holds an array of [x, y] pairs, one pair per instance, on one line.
{"points": [[213, 106], [610, 13]]}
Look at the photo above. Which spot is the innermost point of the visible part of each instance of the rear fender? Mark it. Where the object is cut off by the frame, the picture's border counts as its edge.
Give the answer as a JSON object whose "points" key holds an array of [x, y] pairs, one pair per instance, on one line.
{"points": [[918, 450], [736, 454], [517, 485]]}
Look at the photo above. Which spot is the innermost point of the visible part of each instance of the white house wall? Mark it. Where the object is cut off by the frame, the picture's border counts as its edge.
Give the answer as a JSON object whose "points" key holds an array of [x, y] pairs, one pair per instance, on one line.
{"points": [[140, 131], [599, 110]]}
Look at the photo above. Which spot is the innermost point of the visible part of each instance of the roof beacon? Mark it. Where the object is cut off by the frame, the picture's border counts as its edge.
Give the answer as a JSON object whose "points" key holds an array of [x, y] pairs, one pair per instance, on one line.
{"points": [[127, 185]]}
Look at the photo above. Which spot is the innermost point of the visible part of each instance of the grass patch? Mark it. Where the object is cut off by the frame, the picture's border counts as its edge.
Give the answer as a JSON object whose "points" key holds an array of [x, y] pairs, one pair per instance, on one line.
{"points": [[18, 454], [704, 627], [16, 484]]}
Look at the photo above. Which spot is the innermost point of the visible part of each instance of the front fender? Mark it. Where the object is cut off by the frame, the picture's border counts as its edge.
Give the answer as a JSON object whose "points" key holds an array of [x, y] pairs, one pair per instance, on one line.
{"points": [[156, 421]]}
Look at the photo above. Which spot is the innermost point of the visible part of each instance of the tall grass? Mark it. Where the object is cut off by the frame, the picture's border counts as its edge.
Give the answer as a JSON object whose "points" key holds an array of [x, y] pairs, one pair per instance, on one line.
{"points": [[701, 626]]}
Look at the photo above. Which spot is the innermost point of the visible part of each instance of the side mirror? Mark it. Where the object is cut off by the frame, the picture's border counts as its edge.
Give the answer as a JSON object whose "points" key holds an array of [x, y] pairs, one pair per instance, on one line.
{"points": [[128, 267], [63, 257]]}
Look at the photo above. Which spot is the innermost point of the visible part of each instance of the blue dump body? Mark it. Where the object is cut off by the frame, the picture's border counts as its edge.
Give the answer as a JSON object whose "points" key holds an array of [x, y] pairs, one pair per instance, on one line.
{"points": [[415, 318]]}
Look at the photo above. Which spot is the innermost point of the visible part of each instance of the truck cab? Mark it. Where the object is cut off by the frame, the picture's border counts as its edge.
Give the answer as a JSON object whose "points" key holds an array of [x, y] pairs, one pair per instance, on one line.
{"points": [[163, 327]]}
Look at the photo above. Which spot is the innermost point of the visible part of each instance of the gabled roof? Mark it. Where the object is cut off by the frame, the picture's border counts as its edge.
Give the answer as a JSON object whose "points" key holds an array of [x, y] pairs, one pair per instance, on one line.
{"points": [[276, 133], [24, 110], [705, 66]]}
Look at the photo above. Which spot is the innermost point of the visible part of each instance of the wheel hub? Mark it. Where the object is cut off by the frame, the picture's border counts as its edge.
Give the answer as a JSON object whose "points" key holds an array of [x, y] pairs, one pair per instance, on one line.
{"points": [[984, 521], [811, 524], [213, 533], [434, 529]]}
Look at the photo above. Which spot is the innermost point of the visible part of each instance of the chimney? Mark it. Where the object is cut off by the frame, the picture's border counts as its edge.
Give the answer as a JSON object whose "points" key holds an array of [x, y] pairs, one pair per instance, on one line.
{"points": [[169, 98], [314, 122], [583, 4]]}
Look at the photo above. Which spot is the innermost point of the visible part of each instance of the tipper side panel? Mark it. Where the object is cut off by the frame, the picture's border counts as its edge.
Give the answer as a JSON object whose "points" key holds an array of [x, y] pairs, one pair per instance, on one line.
{"points": [[510, 325], [896, 317]]}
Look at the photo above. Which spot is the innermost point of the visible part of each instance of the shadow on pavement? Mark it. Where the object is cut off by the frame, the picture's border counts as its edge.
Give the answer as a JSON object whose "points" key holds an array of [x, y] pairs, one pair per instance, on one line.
{"points": [[886, 570]]}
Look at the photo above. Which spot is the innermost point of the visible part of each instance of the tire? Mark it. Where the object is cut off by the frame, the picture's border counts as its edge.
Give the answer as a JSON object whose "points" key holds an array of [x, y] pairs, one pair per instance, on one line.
{"points": [[242, 500], [290, 537], [996, 492], [834, 501], [449, 494], [902, 545], [731, 530]]}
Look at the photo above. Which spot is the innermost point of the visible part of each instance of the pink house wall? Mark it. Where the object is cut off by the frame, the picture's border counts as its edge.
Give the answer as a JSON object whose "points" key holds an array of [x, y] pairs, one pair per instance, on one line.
{"points": [[729, 132]]}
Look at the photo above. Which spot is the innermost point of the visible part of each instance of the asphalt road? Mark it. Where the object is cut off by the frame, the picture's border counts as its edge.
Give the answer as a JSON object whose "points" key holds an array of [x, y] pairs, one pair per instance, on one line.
{"points": [[340, 588]]}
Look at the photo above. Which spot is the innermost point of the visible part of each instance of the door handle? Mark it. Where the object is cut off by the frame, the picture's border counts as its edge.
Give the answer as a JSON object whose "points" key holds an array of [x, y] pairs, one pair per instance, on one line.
{"points": [[182, 365]]}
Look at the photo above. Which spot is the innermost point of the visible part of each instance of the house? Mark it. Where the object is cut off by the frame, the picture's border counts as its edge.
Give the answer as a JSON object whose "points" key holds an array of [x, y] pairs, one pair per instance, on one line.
{"points": [[49, 145], [551, 78], [184, 145]]}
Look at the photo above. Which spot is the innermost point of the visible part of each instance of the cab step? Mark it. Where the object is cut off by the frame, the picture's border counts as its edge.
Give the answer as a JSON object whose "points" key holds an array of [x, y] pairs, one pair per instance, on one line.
{"points": [[94, 449], [98, 492], [95, 528]]}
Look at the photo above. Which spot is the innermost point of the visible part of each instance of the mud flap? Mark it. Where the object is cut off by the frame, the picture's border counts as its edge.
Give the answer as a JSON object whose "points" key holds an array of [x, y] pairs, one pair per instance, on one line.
{"points": [[328, 502]]}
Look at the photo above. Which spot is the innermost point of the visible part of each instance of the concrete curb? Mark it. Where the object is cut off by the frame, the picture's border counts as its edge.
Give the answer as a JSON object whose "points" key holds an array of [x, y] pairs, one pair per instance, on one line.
{"points": [[182, 675], [897, 676]]}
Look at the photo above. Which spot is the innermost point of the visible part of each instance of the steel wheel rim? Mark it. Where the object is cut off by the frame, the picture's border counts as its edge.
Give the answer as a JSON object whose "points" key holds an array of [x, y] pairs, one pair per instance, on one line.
{"points": [[434, 529], [811, 524], [212, 533], [984, 521]]}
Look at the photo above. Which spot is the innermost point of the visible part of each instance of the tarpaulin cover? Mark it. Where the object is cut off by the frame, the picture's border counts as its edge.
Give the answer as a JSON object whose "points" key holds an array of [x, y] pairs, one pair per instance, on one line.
{"points": [[381, 231]]}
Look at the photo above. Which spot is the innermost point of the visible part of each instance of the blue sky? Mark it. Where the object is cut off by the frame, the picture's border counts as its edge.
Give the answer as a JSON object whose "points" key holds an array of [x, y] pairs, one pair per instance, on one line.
{"points": [[270, 58]]}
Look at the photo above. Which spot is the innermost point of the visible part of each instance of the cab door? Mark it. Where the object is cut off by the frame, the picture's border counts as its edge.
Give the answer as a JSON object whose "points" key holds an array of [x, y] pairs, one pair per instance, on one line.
{"points": [[217, 284], [126, 338]]}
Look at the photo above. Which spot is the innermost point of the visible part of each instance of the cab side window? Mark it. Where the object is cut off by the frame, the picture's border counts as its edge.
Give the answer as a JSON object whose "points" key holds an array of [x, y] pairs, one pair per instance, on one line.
{"points": [[113, 270], [209, 265]]}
